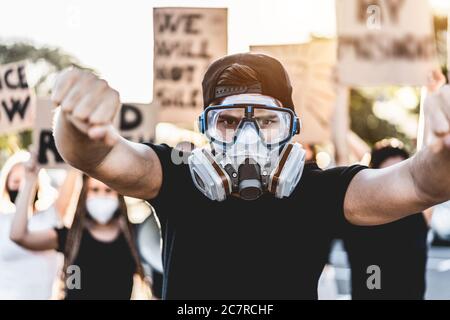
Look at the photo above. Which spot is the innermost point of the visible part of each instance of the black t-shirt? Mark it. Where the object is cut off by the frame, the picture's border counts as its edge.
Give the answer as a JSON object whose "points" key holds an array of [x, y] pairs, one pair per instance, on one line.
{"points": [[107, 268], [399, 249], [264, 249], [157, 284]]}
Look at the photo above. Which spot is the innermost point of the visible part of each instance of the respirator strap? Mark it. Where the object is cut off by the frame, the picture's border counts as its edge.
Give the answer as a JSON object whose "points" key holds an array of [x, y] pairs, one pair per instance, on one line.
{"points": [[275, 179], [219, 171]]}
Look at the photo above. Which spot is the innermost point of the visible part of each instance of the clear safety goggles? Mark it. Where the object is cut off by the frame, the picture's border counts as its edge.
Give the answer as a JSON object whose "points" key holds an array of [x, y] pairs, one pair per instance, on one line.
{"points": [[222, 123]]}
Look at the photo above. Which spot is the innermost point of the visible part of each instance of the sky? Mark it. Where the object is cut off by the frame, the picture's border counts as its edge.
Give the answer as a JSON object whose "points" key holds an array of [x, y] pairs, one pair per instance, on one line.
{"points": [[116, 37]]}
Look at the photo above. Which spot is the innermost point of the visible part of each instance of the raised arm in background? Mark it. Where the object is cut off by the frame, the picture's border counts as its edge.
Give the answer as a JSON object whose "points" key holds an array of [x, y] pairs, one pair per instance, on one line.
{"points": [[33, 240], [66, 192]]}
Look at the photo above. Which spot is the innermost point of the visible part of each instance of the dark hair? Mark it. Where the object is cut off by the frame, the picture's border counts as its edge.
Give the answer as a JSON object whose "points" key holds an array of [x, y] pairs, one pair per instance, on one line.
{"points": [[385, 149]]}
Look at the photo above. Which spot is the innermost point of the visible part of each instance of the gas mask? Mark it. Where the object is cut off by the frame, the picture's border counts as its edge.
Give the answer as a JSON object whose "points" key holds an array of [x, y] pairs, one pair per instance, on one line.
{"points": [[249, 152]]}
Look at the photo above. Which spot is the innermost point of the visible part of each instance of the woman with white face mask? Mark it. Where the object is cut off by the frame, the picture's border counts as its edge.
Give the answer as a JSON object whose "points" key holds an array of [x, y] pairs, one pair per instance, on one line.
{"points": [[25, 274], [100, 254]]}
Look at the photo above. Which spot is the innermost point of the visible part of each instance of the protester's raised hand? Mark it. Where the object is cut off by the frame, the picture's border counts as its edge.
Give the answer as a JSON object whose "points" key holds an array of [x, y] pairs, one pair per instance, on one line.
{"points": [[88, 102], [31, 168], [437, 109], [436, 80]]}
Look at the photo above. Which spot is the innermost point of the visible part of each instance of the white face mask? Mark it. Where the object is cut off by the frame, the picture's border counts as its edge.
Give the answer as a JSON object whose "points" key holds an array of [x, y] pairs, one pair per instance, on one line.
{"points": [[102, 209]]}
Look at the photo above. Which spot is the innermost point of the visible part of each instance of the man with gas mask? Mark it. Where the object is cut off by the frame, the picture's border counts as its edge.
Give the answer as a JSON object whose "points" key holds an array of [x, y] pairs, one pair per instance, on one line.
{"points": [[246, 207], [249, 133]]}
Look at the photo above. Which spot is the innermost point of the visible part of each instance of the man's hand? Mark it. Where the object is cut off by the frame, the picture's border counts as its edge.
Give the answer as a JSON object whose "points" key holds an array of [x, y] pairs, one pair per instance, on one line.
{"points": [[437, 114], [86, 139], [88, 102], [32, 169], [436, 80], [412, 185]]}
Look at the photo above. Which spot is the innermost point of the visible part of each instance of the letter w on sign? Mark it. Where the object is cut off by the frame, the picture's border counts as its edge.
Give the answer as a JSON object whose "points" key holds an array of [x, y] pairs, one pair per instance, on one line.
{"points": [[17, 100]]}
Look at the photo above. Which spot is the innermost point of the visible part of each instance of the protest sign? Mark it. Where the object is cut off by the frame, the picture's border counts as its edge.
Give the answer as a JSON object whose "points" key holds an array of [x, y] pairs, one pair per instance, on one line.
{"points": [[136, 122], [385, 42], [310, 68], [186, 41], [17, 100]]}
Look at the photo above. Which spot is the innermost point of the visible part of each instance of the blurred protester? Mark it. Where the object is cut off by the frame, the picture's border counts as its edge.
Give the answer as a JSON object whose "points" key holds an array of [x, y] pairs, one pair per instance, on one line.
{"points": [[149, 244], [311, 152], [100, 243], [440, 225], [157, 284], [25, 274], [398, 248]]}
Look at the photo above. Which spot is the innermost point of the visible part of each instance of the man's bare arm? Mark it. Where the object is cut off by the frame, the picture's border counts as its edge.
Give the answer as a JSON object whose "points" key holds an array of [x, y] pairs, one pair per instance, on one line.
{"points": [[86, 139], [384, 195]]}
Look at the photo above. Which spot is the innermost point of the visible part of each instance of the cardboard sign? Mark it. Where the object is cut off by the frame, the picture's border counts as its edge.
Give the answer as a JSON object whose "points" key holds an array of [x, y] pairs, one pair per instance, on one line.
{"points": [[137, 122], [17, 100], [43, 141], [186, 41], [310, 68], [385, 42]]}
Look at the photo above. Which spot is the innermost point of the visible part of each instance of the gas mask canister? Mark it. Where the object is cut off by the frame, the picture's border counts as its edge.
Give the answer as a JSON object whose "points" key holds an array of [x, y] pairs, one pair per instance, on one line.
{"points": [[249, 152]]}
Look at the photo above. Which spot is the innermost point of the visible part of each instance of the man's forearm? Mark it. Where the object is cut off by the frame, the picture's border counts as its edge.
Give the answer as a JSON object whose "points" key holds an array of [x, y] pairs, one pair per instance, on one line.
{"points": [[87, 140], [399, 190], [430, 171], [75, 147]]}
